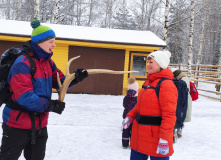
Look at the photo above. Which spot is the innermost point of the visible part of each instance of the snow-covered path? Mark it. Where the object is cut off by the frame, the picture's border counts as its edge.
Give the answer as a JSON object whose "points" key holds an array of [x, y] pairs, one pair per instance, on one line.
{"points": [[89, 129]]}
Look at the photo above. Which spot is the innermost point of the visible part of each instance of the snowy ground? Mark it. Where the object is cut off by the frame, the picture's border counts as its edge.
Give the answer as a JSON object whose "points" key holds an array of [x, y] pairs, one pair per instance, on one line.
{"points": [[89, 129]]}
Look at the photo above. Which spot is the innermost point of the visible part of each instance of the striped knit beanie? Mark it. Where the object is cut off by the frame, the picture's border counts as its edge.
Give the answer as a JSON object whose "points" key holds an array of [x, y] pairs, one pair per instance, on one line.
{"points": [[41, 33]]}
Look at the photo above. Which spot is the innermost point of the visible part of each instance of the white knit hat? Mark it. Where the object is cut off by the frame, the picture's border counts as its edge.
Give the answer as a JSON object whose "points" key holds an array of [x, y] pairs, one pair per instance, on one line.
{"points": [[161, 57]]}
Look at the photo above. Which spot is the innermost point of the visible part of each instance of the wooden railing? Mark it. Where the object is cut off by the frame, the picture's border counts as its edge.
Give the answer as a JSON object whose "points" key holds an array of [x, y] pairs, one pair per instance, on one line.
{"points": [[204, 74]]}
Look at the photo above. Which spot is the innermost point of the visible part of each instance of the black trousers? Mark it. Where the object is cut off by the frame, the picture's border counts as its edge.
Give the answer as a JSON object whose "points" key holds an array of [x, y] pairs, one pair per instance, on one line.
{"points": [[14, 141], [126, 135]]}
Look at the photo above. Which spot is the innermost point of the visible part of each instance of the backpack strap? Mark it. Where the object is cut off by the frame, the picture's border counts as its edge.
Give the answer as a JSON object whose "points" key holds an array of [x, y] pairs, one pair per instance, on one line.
{"points": [[157, 88], [32, 64], [147, 87], [50, 64]]}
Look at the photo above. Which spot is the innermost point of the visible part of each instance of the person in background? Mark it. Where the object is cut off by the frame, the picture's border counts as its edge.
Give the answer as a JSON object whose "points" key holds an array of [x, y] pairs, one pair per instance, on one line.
{"points": [[130, 100], [154, 118], [182, 76], [25, 118]]}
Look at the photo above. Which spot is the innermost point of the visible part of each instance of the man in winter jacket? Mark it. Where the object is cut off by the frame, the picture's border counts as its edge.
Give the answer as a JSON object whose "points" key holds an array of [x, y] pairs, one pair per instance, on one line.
{"points": [[25, 118]]}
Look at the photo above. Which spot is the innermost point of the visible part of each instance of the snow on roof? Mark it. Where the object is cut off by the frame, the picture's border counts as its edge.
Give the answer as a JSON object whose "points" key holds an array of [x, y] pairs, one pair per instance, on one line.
{"points": [[85, 33]]}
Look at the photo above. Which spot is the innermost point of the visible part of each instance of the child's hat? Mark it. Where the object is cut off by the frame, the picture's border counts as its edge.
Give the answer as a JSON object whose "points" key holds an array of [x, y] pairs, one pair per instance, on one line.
{"points": [[132, 84], [161, 57], [41, 33]]}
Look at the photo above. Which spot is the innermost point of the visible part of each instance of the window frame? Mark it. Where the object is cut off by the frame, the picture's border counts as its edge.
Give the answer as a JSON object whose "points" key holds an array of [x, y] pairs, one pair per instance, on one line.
{"points": [[132, 54]]}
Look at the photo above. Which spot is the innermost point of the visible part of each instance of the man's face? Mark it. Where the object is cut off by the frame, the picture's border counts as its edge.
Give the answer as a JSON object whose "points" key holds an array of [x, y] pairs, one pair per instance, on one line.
{"points": [[48, 45]]}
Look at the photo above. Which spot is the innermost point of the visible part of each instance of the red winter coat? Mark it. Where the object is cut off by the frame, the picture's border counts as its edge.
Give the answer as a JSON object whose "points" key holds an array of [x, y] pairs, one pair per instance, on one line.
{"points": [[145, 138]]}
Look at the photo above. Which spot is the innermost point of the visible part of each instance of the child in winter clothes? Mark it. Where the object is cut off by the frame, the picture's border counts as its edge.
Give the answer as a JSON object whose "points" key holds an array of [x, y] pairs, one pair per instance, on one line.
{"points": [[154, 118], [129, 102], [182, 76]]}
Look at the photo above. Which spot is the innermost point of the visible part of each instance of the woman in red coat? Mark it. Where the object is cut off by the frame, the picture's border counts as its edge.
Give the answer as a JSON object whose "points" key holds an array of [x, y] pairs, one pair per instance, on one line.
{"points": [[154, 118]]}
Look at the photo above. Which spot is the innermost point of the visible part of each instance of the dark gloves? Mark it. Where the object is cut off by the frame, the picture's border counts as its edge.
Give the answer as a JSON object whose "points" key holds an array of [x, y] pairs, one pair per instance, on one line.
{"points": [[56, 106], [80, 74]]}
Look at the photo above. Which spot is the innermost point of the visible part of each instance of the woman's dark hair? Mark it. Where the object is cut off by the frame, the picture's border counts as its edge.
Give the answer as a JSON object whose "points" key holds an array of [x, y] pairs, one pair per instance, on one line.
{"points": [[176, 72]]}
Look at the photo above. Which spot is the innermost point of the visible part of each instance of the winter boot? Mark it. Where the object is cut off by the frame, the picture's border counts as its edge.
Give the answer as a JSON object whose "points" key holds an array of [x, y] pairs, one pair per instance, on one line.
{"points": [[179, 133], [175, 136]]}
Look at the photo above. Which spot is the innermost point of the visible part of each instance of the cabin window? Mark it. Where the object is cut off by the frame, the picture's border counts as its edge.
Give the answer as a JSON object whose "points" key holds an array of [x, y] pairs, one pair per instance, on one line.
{"points": [[138, 63]]}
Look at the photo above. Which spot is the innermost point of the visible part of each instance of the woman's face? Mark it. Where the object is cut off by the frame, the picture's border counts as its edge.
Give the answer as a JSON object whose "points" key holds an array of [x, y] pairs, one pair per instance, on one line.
{"points": [[152, 66]]}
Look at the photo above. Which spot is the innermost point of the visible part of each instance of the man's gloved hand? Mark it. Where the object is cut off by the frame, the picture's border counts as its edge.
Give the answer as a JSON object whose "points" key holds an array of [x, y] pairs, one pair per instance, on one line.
{"points": [[80, 74], [127, 121], [163, 147], [56, 106]]}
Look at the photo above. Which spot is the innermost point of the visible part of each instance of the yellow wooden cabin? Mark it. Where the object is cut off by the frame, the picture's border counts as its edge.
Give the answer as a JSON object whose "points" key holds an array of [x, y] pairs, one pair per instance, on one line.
{"points": [[99, 48]]}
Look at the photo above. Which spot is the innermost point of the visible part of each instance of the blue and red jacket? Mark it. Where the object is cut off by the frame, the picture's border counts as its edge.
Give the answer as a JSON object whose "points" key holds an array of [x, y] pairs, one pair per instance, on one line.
{"points": [[32, 94], [130, 100]]}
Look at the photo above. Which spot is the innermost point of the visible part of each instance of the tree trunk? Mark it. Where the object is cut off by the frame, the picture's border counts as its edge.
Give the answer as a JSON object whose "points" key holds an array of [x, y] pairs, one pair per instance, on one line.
{"points": [[57, 7], [166, 21], [36, 9], [8, 9], [201, 47], [90, 16], [191, 39], [219, 70], [16, 8]]}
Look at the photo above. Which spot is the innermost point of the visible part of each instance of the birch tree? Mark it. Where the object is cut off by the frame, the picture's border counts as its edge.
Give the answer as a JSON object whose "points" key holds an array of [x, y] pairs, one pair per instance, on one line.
{"points": [[166, 21], [190, 47], [37, 9], [57, 7]]}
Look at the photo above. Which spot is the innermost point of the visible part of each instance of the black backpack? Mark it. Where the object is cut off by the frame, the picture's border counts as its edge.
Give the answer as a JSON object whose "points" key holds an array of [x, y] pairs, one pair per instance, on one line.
{"points": [[182, 101], [7, 60]]}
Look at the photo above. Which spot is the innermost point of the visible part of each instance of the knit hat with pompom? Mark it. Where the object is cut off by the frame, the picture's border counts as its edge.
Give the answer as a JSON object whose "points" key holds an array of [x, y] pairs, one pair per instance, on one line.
{"points": [[41, 33], [161, 57], [132, 84]]}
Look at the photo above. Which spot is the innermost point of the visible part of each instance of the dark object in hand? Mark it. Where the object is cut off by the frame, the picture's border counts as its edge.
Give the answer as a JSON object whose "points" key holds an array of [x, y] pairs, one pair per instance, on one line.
{"points": [[80, 74], [56, 106]]}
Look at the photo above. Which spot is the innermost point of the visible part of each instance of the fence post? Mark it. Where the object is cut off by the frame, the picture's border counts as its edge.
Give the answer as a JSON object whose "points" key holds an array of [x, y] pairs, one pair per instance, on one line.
{"points": [[198, 73], [218, 86]]}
